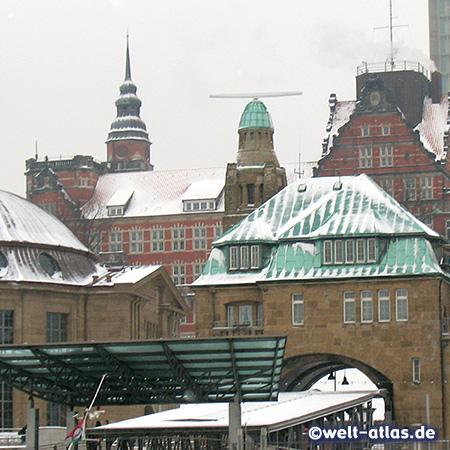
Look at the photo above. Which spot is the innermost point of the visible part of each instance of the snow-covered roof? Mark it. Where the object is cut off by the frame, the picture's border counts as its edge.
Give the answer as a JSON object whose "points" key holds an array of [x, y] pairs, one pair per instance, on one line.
{"points": [[156, 193], [204, 189], [296, 221], [23, 221], [339, 115], [120, 198], [434, 125], [291, 408]]}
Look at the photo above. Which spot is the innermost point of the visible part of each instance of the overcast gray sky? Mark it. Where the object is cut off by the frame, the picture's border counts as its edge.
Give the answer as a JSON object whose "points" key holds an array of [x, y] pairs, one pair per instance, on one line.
{"points": [[62, 61]]}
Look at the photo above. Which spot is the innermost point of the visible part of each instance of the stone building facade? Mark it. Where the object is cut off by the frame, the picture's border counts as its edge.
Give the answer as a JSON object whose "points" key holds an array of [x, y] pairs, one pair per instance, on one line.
{"points": [[352, 279], [53, 290]]}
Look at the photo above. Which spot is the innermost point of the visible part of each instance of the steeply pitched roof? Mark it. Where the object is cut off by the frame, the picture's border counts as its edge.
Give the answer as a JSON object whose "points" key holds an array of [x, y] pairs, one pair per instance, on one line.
{"points": [[297, 220]]}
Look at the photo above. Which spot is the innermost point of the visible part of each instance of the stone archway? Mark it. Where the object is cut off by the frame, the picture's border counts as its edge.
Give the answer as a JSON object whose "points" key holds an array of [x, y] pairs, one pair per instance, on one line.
{"points": [[303, 371]]}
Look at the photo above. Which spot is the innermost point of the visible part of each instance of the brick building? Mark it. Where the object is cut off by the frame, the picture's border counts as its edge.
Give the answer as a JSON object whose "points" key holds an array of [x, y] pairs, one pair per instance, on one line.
{"points": [[129, 213], [352, 279], [53, 290], [397, 133]]}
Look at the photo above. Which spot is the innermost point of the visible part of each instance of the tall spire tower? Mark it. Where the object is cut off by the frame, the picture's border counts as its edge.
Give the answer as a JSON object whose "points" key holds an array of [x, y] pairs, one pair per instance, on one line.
{"points": [[128, 144]]}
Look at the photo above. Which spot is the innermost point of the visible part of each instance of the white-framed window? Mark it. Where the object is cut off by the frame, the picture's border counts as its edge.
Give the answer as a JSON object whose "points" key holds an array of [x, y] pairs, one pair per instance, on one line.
{"points": [[388, 185], [158, 240], [218, 231], [198, 269], [360, 250], [245, 257], [371, 250], [255, 257], [386, 156], [365, 131], [115, 210], [366, 306], [349, 251], [410, 189], [401, 305], [338, 251], [365, 157], [234, 258], [136, 241], [115, 241], [384, 305], [349, 307], [415, 370], [179, 273], [240, 315], [426, 188], [328, 252], [199, 235], [298, 309], [385, 130], [178, 239]]}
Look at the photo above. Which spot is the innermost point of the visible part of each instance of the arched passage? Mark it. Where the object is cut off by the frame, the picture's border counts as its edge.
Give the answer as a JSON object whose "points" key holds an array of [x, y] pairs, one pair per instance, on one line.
{"points": [[303, 371]]}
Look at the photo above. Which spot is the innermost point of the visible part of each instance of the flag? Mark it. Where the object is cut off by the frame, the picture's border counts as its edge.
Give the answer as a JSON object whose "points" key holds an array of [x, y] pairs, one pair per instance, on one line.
{"points": [[76, 434]]}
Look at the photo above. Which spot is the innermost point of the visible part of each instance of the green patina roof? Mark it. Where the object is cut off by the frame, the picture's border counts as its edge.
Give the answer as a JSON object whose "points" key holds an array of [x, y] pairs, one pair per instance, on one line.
{"points": [[255, 115], [296, 221]]}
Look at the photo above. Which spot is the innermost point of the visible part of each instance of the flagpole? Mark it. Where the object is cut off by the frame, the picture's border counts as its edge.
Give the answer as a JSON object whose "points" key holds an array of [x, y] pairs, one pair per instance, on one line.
{"points": [[86, 413]]}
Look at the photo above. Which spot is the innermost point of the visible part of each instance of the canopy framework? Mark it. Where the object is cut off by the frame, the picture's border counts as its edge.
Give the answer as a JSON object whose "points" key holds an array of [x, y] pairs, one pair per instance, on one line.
{"points": [[147, 372]]}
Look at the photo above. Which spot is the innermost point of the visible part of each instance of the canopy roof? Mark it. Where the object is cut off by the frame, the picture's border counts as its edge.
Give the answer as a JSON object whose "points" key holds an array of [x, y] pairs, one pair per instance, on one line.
{"points": [[147, 372]]}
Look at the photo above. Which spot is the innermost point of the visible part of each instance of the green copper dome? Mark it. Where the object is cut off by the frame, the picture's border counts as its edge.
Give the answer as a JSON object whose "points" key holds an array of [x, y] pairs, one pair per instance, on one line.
{"points": [[255, 115]]}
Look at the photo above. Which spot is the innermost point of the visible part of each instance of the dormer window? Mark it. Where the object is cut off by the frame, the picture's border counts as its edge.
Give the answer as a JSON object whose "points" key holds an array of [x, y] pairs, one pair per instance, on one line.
{"points": [[196, 205], [118, 203], [245, 257], [349, 251]]}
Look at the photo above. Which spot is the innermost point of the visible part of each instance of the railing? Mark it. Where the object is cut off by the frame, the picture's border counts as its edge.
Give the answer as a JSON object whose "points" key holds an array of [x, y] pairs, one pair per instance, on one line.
{"points": [[255, 327], [391, 66]]}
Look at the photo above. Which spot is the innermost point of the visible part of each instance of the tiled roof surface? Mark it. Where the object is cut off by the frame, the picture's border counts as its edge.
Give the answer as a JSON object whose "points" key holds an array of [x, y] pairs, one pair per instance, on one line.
{"points": [[296, 221]]}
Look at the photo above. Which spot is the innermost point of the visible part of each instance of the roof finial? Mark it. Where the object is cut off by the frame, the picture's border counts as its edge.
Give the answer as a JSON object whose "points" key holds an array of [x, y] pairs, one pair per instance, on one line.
{"points": [[127, 64]]}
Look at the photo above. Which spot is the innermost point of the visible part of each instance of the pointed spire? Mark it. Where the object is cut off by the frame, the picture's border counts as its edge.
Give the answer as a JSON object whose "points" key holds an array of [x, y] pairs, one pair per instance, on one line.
{"points": [[127, 64]]}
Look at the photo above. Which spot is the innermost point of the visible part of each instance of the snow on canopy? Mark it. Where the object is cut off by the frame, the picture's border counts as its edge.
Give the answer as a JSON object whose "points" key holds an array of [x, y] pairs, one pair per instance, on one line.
{"points": [[23, 221], [156, 193]]}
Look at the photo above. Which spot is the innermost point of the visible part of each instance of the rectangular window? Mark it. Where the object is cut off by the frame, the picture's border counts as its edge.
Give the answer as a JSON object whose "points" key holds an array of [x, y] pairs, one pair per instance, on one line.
{"points": [[254, 257], [416, 370], [371, 250], [401, 305], [298, 312], [199, 238], [234, 258], [198, 269], [388, 185], [218, 231], [410, 189], [136, 241], [56, 415], [327, 252], [230, 316], [157, 240], [365, 158], [6, 405], [338, 251], [360, 250], [246, 315], [178, 239], [251, 194], [245, 262], [115, 241], [57, 327], [426, 185], [385, 130], [366, 306], [179, 272], [349, 307], [384, 305], [349, 251], [365, 131], [386, 158], [6, 327]]}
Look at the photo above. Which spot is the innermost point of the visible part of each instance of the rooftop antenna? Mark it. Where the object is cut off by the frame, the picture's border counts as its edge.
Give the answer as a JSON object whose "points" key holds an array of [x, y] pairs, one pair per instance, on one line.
{"points": [[391, 34], [35, 150], [256, 95]]}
